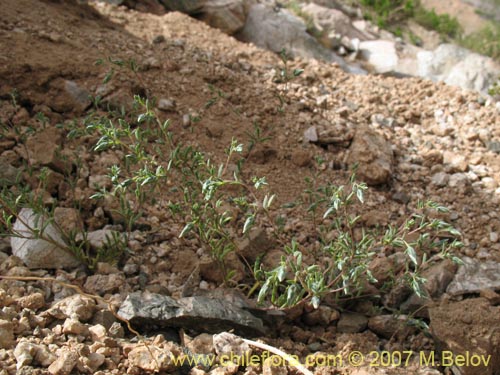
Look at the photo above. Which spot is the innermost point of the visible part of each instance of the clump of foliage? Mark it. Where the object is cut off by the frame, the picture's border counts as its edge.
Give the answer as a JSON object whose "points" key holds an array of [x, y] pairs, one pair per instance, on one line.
{"points": [[494, 90], [386, 13], [342, 265], [485, 41], [392, 15], [446, 25]]}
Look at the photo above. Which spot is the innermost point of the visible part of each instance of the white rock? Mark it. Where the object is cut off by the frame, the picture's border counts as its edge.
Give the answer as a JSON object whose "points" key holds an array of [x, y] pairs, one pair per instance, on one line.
{"points": [[49, 251]]}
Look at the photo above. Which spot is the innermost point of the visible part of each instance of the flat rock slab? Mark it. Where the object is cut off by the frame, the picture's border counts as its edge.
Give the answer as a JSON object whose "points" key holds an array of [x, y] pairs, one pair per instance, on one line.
{"points": [[474, 276], [199, 313]]}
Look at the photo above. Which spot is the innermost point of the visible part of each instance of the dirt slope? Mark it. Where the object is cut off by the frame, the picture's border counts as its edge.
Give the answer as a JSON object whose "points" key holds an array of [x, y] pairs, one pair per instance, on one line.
{"points": [[431, 128]]}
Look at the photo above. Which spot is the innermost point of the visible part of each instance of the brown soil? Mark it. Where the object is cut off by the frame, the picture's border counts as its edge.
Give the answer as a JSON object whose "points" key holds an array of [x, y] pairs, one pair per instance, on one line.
{"points": [[45, 41]]}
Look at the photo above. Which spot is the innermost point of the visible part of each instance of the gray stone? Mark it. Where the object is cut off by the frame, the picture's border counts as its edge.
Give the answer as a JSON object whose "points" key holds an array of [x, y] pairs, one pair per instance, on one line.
{"points": [[45, 251], [459, 180], [475, 275], [457, 66], [440, 179], [102, 237], [167, 105], [374, 156], [352, 323], [311, 134], [200, 313], [275, 31]]}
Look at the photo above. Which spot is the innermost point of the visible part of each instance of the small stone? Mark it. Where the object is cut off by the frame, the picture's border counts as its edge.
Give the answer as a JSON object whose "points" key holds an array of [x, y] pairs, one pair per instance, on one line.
{"points": [[228, 343], [103, 284], [374, 156], [440, 179], [151, 358], [6, 334], [301, 158], [388, 326], [33, 301], [401, 197], [68, 219], [73, 326], [323, 316], [311, 135], [186, 120], [130, 269], [24, 353], [202, 344], [94, 361], [458, 180], [491, 296], [489, 183], [116, 331], [167, 105], [81, 307], [432, 157], [64, 363], [102, 237], [270, 368], [97, 332], [494, 237], [158, 39], [256, 243], [352, 323]]}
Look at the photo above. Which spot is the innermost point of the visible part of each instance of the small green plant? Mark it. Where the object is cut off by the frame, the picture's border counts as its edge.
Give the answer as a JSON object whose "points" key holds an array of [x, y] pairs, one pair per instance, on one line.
{"points": [[444, 24], [387, 13], [494, 90], [284, 76], [342, 266]]}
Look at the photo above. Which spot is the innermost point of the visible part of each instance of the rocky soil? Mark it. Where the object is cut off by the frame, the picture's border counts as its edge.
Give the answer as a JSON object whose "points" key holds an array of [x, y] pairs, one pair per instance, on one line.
{"points": [[413, 140]]}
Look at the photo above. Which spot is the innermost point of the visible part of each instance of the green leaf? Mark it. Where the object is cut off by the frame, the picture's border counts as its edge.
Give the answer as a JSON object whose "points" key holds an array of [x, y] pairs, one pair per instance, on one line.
{"points": [[297, 72], [248, 223], [412, 254], [189, 226], [264, 291], [315, 302], [281, 274]]}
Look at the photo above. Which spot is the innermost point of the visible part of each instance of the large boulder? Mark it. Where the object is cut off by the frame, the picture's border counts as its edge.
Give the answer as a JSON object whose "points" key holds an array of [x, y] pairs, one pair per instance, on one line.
{"points": [[458, 66], [226, 15], [184, 6], [388, 56], [275, 30], [45, 250]]}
